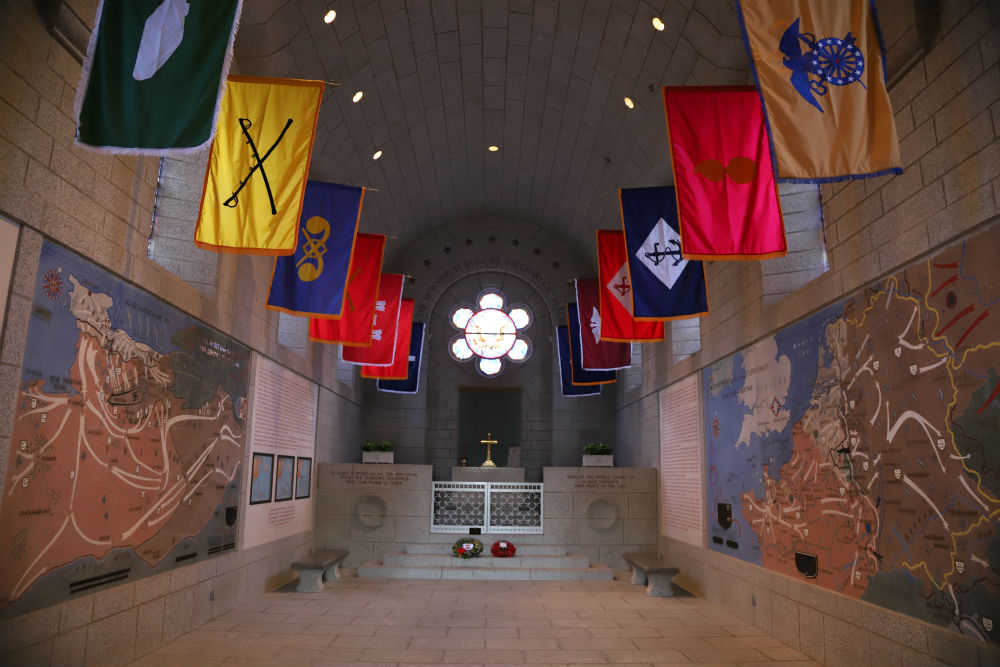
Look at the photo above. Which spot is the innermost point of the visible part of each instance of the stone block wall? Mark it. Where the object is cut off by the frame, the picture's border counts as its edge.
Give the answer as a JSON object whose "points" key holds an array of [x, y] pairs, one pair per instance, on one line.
{"points": [[373, 509], [947, 110], [449, 266], [101, 206]]}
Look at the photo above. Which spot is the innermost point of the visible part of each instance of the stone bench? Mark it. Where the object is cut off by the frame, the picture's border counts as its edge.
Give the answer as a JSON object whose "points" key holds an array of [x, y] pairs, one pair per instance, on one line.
{"points": [[653, 573], [312, 569]]}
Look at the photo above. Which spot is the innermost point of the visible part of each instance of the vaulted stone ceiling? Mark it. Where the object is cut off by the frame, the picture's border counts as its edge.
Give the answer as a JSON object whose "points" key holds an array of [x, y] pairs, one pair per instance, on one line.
{"points": [[444, 79]]}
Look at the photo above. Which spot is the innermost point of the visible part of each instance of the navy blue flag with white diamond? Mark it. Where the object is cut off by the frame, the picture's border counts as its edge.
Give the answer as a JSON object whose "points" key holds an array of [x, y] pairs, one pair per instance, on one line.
{"points": [[665, 286], [565, 368], [412, 382]]}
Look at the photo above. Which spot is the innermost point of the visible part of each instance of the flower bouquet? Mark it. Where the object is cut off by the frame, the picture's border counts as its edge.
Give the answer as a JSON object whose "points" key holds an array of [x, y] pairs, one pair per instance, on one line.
{"points": [[503, 549], [467, 547]]}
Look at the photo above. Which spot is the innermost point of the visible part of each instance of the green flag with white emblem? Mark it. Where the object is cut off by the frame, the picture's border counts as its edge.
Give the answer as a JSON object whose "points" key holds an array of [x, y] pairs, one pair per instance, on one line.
{"points": [[154, 74]]}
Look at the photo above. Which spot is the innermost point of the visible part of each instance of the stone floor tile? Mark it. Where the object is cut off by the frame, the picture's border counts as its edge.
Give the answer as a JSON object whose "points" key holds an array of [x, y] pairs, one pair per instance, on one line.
{"points": [[598, 644], [395, 655], [744, 630], [483, 657], [721, 655], [782, 653], [670, 642], [752, 641], [557, 633], [525, 643], [364, 641], [564, 657], [458, 643], [166, 660], [647, 656]]}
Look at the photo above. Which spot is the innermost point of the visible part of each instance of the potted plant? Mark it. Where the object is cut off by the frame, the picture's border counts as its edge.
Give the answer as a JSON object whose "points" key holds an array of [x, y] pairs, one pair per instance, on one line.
{"points": [[376, 451], [597, 454]]}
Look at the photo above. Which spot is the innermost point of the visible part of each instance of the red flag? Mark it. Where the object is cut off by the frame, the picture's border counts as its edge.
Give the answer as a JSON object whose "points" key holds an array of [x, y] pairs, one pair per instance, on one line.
{"points": [[727, 200], [617, 324], [384, 323], [597, 355], [400, 368], [354, 326]]}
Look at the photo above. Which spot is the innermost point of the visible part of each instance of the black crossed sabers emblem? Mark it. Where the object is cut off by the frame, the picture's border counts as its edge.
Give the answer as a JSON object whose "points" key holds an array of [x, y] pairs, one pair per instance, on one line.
{"points": [[623, 287], [258, 164], [658, 255]]}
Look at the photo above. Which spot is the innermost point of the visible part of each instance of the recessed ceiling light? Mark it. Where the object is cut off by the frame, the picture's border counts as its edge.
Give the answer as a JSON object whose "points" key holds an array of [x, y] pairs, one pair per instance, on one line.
{"points": [[377, 155], [629, 103], [494, 149], [658, 24], [330, 15], [357, 96]]}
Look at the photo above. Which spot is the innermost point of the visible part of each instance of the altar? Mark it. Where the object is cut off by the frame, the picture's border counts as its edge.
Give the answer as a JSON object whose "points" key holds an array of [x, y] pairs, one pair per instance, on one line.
{"points": [[487, 474]]}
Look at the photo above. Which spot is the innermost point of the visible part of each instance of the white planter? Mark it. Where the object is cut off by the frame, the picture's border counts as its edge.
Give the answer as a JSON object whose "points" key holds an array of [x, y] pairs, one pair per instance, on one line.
{"points": [[376, 457], [606, 460]]}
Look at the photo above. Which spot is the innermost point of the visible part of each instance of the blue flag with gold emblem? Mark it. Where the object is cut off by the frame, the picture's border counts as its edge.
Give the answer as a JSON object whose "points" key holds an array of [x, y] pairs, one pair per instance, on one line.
{"points": [[665, 286], [312, 281]]}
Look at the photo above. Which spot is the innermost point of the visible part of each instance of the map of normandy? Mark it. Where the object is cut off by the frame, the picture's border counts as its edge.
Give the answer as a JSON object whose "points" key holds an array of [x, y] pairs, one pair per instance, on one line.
{"points": [[127, 440], [859, 448]]}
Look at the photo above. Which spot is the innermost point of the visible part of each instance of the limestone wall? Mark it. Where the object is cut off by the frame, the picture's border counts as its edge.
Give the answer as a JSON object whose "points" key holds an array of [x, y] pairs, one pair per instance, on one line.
{"points": [[101, 206], [947, 110], [372, 509]]}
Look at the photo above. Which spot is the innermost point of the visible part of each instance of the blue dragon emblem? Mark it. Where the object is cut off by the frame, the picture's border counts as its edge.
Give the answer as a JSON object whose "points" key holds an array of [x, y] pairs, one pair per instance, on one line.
{"points": [[830, 60]]}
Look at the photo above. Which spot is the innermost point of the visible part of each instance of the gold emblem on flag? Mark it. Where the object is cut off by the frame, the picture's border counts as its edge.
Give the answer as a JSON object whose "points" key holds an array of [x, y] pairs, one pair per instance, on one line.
{"points": [[316, 232]]}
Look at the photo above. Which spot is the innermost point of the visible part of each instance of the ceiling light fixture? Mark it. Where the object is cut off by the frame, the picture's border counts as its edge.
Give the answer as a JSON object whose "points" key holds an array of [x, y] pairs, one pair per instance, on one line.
{"points": [[377, 155], [629, 103], [357, 97], [658, 24], [494, 149]]}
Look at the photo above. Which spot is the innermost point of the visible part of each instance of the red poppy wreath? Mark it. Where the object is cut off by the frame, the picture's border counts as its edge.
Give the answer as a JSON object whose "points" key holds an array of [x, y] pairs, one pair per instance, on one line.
{"points": [[503, 549]]}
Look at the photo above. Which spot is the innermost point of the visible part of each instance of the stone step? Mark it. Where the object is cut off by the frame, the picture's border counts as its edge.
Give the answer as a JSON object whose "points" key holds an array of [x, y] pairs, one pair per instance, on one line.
{"points": [[522, 549], [373, 569], [484, 560]]}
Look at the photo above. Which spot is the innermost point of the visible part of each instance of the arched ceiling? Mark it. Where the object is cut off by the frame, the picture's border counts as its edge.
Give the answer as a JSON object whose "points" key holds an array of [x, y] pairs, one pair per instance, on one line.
{"points": [[444, 79]]}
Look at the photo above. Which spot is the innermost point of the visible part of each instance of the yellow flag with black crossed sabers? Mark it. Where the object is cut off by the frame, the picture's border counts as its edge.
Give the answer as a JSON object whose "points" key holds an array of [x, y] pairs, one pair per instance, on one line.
{"points": [[257, 169]]}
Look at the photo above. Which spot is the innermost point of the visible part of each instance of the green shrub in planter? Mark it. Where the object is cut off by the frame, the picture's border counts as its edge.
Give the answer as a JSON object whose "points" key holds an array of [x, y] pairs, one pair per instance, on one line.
{"points": [[596, 449], [377, 446]]}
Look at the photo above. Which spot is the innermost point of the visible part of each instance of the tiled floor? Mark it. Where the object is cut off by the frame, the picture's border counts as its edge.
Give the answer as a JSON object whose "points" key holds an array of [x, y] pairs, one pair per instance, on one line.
{"points": [[420, 622]]}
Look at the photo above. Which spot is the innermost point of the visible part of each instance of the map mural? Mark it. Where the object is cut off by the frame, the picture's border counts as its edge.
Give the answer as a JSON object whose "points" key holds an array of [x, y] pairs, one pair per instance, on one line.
{"points": [[859, 448], [127, 439]]}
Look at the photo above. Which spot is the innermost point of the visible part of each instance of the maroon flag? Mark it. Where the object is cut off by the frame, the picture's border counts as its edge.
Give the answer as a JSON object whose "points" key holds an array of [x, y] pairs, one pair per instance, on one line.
{"points": [[597, 355]]}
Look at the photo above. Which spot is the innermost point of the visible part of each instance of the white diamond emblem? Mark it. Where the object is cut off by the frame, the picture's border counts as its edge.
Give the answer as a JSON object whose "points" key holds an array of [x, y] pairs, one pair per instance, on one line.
{"points": [[595, 325], [661, 253], [621, 287]]}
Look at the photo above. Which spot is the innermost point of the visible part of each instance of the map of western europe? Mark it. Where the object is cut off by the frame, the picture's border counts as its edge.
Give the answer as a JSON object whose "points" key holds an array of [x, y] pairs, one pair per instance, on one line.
{"points": [[859, 448], [127, 441]]}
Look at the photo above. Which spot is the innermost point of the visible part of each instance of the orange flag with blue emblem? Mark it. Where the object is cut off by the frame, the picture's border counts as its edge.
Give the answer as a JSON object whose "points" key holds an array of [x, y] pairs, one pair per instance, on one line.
{"points": [[820, 68]]}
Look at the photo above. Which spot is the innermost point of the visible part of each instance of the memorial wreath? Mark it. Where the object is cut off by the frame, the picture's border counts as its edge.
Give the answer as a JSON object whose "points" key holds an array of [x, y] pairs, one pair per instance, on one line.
{"points": [[467, 548], [503, 549]]}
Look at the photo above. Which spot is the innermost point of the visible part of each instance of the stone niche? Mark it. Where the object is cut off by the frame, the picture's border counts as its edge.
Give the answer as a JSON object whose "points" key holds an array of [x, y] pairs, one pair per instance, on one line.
{"points": [[375, 509]]}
